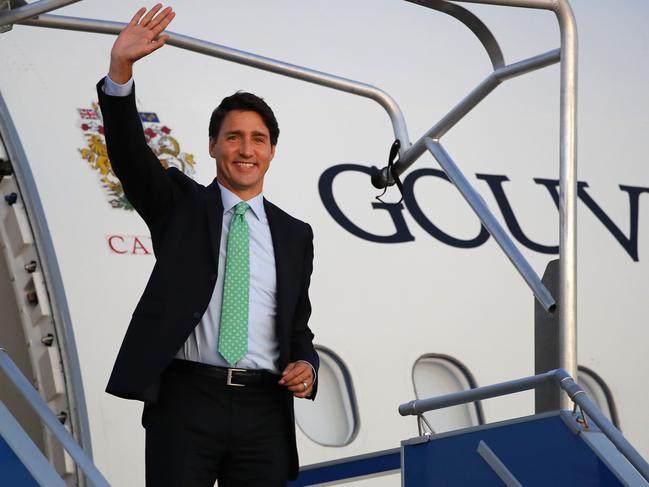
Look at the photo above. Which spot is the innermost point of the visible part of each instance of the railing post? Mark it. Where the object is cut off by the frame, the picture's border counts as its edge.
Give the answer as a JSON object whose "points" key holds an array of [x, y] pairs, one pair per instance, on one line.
{"points": [[546, 343], [567, 295]]}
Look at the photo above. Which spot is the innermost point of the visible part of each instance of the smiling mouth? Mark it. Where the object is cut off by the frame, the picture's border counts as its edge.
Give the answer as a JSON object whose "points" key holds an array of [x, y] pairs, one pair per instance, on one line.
{"points": [[245, 164]]}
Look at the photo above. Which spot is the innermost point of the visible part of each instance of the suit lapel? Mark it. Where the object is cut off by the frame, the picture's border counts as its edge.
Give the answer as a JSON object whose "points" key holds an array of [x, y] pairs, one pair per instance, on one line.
{"points": [[283, 261], [214, 218]]}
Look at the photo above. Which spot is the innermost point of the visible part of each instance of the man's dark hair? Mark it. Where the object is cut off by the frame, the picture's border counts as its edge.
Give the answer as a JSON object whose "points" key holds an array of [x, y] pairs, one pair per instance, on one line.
{"points": [[247, 102]]}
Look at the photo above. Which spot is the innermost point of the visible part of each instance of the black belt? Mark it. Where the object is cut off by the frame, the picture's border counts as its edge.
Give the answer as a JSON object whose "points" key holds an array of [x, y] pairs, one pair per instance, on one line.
{"points": [[228, 376]]}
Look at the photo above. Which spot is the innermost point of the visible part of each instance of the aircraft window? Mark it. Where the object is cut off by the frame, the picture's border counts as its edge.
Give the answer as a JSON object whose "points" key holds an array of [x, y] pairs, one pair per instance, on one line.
{"points": [[437, 374], [331, 420], [598, 391]]}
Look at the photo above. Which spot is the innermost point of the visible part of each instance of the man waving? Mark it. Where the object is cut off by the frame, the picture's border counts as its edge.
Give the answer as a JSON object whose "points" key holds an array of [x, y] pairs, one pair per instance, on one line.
{"points": [[219, 343]]}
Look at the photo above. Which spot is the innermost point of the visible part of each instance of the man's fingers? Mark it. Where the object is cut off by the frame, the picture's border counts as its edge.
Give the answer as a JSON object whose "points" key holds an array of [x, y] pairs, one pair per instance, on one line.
{"points": [[147, 18], [299, 387], [138, 15], [289, 367], [304, 376], [295, 373], [287, 373], [290, 375], [160, 17], [163, 25], [297, 377]]}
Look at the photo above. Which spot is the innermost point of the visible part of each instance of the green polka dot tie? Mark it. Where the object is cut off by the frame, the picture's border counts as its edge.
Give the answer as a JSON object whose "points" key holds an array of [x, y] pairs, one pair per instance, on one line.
{"points": [[233, 333]]}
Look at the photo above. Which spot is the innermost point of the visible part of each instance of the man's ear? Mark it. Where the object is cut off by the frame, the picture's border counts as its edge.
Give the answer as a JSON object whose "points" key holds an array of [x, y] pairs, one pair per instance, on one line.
{"points": [[272, 152], [212, 146]]}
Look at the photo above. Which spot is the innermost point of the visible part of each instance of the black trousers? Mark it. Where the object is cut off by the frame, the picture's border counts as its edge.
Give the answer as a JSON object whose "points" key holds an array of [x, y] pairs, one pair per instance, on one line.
{"points": [[201, 430]]}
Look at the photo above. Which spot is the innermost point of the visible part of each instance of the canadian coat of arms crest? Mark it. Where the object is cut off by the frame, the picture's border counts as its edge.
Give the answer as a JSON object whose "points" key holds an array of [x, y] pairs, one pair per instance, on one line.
{"points": [[158, 136]]}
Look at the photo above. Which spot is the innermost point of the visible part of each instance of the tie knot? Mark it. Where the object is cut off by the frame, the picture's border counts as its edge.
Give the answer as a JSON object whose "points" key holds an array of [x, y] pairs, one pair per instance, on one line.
{"points": [[241, 208]]}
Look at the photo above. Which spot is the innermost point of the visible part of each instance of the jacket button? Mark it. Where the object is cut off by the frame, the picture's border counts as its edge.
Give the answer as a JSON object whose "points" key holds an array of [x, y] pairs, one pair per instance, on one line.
{"points": [[197, 314]]}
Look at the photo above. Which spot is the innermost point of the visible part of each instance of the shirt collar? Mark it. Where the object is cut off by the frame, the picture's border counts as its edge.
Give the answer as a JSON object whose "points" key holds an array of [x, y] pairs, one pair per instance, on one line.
{"points": [[229, 200]]}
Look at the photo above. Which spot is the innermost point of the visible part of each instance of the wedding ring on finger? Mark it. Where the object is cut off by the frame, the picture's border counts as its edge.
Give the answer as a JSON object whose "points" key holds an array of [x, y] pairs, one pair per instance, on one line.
{"points": [[306, 386]]}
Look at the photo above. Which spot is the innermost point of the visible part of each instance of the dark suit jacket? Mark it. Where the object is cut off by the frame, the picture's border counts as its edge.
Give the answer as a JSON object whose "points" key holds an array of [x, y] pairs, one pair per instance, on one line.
{"points": [[185, 221]]}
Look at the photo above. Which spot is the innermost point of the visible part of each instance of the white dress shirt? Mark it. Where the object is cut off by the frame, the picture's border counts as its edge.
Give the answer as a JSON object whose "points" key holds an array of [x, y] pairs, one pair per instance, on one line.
{"points": [[115, 89], [263, 348]]}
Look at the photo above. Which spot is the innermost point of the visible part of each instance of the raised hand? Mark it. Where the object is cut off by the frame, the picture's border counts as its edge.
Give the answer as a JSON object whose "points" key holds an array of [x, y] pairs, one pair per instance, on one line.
{"points": [[138, 39]]}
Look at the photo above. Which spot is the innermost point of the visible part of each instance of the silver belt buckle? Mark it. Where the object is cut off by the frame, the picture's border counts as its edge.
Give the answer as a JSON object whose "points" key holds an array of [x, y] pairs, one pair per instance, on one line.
{"points": [[229, 381]]}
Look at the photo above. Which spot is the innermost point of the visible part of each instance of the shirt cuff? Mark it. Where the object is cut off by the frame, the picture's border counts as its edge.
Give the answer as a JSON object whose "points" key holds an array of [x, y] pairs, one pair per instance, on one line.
{"points": [[115, 89], [315, 375]]}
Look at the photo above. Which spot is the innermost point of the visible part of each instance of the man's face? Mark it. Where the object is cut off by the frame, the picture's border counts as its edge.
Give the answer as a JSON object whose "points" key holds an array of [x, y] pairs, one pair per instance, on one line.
{"points": [[243, 152]]}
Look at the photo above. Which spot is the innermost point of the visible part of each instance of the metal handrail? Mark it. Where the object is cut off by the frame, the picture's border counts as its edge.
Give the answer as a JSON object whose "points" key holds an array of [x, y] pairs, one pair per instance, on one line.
{"points": [[429, 140], [13, 16], [567, 297], [479, 93], [475, 25], [39, 406], [246, 58], [560, 378]]}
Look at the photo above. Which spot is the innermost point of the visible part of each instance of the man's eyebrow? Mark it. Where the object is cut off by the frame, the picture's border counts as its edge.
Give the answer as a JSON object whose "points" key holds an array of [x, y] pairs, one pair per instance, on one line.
{"points": [[256, 133]]}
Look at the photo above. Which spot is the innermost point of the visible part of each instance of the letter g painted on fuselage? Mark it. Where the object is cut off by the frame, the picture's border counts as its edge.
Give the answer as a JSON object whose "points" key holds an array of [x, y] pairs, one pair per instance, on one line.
{"points": [[325, 186], [395, 210]]}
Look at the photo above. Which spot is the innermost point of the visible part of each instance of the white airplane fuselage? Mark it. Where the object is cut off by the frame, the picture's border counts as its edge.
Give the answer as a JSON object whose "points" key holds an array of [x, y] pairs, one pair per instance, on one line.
{"points": [[391, 284]]}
